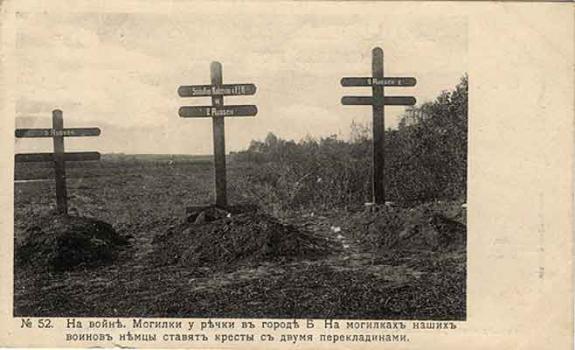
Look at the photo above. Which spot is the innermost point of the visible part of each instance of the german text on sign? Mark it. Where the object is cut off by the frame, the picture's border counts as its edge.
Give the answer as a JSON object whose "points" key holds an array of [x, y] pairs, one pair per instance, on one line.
{"points": [[387, 81], [378, 101], [211, 90], [218, 111], [55, 132], [223, 111], [59, 157]]}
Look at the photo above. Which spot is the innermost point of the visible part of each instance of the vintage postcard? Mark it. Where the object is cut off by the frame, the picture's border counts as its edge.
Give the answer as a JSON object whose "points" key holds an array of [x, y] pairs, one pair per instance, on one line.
{"points": [[250, 174]]}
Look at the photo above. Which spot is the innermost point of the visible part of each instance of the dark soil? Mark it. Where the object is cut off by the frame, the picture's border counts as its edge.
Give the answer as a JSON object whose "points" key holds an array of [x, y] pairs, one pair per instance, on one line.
{"points": [[236, 239], [413, 229], [353, 263], [61, 243]]}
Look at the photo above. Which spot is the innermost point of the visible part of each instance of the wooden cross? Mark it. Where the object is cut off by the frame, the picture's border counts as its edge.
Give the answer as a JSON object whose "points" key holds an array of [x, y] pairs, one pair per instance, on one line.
{"points": [[218, 111], [59, 156], [378, 100]]}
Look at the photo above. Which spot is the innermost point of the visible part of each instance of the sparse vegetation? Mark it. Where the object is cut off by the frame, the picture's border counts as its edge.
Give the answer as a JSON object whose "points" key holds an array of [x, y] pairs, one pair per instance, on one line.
{"points": [[333, 259], [426, 160]]}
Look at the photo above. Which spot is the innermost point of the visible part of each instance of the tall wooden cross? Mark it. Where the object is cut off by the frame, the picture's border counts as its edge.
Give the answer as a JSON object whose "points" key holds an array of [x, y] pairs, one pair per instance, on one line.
{"points": [[378, 100], [59, 156], [218, 111]]}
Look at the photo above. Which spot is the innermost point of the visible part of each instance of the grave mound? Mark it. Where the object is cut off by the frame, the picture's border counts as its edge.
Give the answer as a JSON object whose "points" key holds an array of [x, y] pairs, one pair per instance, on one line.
{"points": [[62, 243], [219, 239], [418, 228]]}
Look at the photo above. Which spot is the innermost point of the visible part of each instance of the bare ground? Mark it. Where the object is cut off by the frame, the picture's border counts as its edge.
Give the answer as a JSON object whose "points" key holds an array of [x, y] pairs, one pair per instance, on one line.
{"points": [[353, 281]]}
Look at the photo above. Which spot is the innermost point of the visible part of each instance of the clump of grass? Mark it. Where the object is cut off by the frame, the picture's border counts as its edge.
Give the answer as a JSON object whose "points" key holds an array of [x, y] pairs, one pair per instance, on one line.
{"points": [[425, 160]]}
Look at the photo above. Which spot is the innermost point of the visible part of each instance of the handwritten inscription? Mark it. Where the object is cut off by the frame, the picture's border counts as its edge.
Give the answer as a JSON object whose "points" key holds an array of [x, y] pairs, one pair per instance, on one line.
{"points": [[373, 81], [215, 111], [57, 132], [388, 82], [212, 90]]}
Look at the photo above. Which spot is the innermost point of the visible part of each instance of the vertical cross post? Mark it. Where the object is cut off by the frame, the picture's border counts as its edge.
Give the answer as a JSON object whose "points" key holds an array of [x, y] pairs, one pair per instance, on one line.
{"points": [[219, 138], [378, 128], [59, 162], [378, 101], [218, 111]]}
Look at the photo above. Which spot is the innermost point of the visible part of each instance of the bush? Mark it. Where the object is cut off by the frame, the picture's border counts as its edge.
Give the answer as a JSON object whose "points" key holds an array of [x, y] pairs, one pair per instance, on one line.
{"points": [[425, 160]]}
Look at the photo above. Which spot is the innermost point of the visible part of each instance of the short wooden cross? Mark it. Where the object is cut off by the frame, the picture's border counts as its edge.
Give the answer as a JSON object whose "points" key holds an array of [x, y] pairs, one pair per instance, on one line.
{"points": [[218, 111], [59, 156], [378, 100]]}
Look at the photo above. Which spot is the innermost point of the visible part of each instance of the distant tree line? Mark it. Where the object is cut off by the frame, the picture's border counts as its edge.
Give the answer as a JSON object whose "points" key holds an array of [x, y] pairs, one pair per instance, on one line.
{"points": [[425, 159]]}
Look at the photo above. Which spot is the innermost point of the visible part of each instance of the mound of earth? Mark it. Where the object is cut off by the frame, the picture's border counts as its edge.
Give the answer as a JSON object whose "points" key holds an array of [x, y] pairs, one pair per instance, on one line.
{"points": [[62, 243], [234, 239], [409, 229]]}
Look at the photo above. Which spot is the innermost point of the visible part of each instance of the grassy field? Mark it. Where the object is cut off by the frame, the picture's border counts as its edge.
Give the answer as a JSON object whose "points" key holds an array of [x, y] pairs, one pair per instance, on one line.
{"points": [[361, 276]]}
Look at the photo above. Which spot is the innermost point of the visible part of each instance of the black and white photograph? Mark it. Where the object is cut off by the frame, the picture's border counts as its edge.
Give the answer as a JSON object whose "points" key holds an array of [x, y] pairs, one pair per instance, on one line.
{"points": [[301, 165], [286, 174]]}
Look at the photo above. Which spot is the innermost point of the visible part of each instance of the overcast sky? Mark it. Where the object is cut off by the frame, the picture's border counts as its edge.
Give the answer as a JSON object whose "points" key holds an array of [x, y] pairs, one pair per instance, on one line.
{"points": [[121, 71]]}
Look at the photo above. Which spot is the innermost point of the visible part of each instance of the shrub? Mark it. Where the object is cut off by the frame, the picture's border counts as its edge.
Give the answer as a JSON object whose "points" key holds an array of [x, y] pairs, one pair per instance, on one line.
{"points": [[425, 160]]}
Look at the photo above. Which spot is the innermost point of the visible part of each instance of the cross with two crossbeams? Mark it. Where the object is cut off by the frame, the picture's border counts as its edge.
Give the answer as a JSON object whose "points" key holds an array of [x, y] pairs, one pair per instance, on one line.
{"points": [[378, 100], [218, 111], [59, 156]]}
